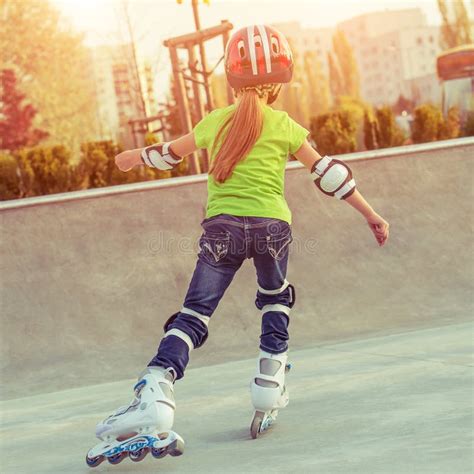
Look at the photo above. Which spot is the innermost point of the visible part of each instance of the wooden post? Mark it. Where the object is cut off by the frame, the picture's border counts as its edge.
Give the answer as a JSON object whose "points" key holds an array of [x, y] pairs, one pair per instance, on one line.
{"points": [[197, 100], [202, 53], [230, 93], [196, 92], [183, 106]]}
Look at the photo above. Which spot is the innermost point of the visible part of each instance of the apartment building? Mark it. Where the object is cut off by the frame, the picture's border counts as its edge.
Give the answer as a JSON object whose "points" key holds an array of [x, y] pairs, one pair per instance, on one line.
{"points": [[396, 53], [395, 50], [117, 90]]}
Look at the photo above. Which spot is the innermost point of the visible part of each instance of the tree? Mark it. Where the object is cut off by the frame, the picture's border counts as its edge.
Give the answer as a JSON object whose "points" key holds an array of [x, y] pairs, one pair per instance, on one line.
{"points": [[52, 67], [334, 133], [427, 123], [456, 29], [45, 170], [16, 124], [173, 120], [348, 70], [468, 127], [9, 178], [218, 83], [370, 131], [293, 97], [388, 132], [335, 77], [451, 127], [316, 84]]}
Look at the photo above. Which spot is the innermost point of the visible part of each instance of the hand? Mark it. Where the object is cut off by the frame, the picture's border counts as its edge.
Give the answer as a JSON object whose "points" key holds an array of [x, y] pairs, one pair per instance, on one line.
{"points": [[126, 160], [379, 226]]}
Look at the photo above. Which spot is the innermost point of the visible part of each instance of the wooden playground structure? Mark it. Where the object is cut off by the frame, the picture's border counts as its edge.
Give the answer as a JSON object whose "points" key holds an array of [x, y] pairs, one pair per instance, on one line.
{"points": [[191, 105]]}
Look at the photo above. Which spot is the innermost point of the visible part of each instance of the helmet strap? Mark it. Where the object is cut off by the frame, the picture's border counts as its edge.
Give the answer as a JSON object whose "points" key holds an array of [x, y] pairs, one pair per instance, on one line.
{"points": [[271, 89], [273, 94]]}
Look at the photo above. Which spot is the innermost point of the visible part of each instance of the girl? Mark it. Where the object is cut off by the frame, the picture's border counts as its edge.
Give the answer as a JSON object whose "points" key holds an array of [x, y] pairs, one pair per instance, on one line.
{"points": [[247, 217]]}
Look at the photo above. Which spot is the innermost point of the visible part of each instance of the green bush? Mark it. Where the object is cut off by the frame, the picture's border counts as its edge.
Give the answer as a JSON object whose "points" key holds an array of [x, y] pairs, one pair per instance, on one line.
{"points": [[451, 127], [389, 133], [468, 127], [429, 124], [45, 170], [10, 183], [334, 132], [97, 166], [370, 131]]}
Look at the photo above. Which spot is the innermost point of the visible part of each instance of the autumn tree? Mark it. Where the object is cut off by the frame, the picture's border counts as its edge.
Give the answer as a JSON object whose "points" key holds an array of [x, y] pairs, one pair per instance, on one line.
{"points": [[294, 97], [343, 68], [52, 68], [218, 84], [388, 132], [316, 84], [429, 124], [334, 133], [17, 117], [370, 131], [456, 28], [335, 77]]}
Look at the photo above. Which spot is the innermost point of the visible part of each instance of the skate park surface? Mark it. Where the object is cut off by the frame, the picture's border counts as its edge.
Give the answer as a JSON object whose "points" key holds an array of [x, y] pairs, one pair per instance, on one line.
{"points": [[381, 338]]}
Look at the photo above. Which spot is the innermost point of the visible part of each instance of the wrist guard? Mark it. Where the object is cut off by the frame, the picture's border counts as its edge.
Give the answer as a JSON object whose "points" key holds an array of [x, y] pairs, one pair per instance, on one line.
{"points": [[160, 156], [333, 177]]}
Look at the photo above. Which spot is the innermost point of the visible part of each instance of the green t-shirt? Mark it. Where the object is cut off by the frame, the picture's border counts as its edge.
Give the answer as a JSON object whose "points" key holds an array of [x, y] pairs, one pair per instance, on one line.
{"points": [[256, 187]]}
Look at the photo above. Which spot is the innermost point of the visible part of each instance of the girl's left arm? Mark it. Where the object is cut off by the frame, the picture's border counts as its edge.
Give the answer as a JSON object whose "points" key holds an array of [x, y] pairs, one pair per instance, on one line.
{"points": [[180, 147]]}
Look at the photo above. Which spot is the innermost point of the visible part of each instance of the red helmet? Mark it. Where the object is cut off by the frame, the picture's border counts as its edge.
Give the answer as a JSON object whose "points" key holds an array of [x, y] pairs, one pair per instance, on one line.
{"points": [[258, 54]]}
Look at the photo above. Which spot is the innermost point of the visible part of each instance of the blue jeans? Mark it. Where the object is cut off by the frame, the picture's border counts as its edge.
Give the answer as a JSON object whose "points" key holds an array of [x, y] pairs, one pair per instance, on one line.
{"points": [[224, 245]]}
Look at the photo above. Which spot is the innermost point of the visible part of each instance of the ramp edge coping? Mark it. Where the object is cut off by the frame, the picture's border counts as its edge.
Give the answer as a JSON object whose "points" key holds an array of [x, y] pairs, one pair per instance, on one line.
{"points": [[183, 180]]}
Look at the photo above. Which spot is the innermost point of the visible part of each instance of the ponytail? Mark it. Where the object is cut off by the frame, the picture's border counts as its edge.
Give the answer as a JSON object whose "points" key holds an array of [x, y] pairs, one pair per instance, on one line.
{"points": [[242, 129]]}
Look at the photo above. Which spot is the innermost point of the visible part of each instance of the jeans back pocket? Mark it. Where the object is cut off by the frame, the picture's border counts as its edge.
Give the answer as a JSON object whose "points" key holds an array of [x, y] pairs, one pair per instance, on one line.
{"points": [[214, 246], [277, 245]]}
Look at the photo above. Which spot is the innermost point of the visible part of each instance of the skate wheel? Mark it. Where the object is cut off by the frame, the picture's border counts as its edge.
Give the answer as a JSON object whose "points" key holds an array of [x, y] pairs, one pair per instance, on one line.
{"points": [[176, 448], [94, 462], [138, 455], [256, 424], [117, 458], [158, 452]]}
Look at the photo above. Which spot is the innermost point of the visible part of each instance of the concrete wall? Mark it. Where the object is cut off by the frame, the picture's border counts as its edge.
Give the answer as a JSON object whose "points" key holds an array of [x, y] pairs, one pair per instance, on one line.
{"points": [[87, 284]]}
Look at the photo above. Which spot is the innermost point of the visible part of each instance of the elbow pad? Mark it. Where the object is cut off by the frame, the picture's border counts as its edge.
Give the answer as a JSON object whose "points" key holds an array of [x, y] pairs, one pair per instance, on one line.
{"points": [[160, 156], [333, 177]]}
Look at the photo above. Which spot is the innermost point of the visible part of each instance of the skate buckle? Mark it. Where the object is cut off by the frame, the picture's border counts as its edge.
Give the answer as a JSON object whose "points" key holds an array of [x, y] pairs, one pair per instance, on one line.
{"points": [[139, 386]]}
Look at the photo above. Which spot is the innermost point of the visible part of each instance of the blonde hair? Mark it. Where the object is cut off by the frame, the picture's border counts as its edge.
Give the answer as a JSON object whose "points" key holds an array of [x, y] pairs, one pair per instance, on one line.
{"points": [[242, 130]]}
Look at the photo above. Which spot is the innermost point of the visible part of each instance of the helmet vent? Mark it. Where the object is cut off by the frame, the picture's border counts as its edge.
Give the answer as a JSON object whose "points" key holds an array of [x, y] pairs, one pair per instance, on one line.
{"points": [[275, 45], [241, 47]]}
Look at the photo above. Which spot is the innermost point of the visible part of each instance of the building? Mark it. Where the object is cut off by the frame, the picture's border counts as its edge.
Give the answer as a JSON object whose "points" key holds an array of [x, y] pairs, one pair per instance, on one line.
{"points": [[317, 40], [148, 82], [118, 92], [395, 51]]}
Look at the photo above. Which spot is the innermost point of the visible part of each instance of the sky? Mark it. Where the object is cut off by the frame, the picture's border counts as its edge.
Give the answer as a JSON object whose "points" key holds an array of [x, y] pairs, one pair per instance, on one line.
{"points": [[155, 20]]}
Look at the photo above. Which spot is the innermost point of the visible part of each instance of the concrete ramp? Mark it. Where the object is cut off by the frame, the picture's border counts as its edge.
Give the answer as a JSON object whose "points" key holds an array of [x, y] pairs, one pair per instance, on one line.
{"points": [[88, 284], [395, 404]]}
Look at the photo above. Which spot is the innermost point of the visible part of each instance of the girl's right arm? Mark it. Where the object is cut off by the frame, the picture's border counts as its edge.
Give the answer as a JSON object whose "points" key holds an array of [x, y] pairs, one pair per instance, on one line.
{"points": [[180, 147], [307, 155]]}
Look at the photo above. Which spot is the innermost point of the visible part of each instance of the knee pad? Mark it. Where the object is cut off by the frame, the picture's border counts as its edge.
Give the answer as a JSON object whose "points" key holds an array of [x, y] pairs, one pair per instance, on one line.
{"points": [[267, 388], [194, 341], [281, 299]]}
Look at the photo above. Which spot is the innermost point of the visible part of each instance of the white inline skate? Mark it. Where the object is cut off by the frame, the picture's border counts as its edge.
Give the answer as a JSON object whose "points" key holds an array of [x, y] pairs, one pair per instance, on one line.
{"points": [[143, 426], [268, 390]]}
